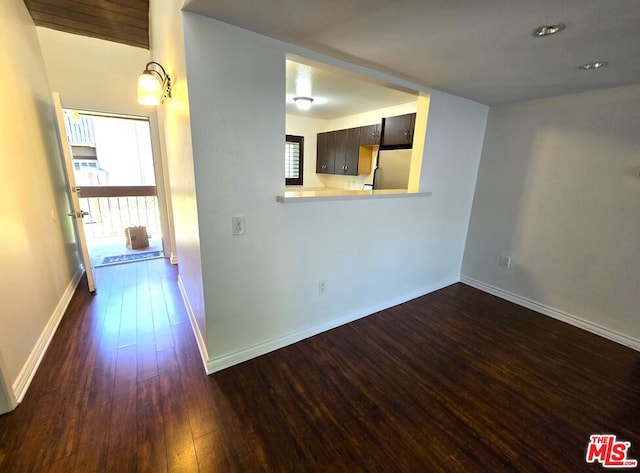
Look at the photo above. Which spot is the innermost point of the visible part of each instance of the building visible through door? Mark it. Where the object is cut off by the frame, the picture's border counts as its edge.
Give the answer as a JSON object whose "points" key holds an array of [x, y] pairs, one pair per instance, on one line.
{"points": [[113, 168]]}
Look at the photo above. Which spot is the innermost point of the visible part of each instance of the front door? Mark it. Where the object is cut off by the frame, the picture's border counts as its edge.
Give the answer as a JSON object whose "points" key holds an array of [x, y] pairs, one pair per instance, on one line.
{"points": [[77, 214]]}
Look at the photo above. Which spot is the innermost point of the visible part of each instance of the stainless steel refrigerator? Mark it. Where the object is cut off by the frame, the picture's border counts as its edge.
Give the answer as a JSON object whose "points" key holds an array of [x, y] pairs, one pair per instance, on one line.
{"points": [[392, 171]]}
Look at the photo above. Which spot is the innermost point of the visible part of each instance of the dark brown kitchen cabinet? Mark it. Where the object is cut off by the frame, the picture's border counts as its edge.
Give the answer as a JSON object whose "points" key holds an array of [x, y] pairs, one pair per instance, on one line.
{"points": [[397, 132], [341, 151], [338, 152], [353, 151], [347, 151], [370, 135], [326, 152]]}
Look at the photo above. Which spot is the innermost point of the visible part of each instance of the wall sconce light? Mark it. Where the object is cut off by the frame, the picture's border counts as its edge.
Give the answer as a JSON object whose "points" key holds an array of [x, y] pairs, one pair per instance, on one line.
{"points": [[303, 103], [154, 85]]}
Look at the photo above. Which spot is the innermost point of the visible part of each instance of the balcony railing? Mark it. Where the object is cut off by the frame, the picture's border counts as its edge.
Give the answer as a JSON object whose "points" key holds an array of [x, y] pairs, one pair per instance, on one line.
{"points": [[112, 209]]}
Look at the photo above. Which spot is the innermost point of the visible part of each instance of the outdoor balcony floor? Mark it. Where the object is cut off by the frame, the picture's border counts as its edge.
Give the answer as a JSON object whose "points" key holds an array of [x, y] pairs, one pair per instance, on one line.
{"points": [[100, 248]]}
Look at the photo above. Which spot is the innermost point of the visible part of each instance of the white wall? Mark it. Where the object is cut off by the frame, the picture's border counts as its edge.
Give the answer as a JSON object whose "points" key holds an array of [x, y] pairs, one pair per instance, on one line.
{"points": [[558, 192], [372, 117], [167, 46], [93, 74], [261, 288], [39, 258]]}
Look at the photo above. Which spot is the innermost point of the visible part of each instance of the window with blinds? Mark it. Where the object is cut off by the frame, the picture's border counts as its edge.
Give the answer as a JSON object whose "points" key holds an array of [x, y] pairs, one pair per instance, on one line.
{"points": [[293, 159]]}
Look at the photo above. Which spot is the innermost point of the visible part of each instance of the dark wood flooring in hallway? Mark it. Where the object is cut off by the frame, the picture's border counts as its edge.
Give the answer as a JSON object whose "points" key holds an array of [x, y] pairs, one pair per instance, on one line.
{"points": [[457, 380]]}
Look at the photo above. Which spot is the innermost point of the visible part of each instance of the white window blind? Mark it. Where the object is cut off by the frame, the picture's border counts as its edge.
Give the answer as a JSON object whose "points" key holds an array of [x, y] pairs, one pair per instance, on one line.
{"points": [[293, 159]]}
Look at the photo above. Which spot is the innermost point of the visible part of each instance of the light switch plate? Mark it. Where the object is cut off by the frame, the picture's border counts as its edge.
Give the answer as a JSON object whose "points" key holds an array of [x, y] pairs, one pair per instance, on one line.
{"points": [[237, 225]]}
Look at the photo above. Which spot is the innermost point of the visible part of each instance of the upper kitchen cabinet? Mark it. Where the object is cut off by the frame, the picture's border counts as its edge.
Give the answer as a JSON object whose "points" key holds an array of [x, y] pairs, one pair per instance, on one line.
{"points": [[326, 153], [347, 151], [370, 135], [339, 152], [397, 132]]}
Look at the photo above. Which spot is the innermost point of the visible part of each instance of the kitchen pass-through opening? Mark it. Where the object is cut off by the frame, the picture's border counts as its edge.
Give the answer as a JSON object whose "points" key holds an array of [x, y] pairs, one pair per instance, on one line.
{"points": [[360, 132]]}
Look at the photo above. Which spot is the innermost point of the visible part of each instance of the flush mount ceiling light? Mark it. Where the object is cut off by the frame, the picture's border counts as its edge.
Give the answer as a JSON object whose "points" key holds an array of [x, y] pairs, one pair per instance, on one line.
{"points": [[593, 65], [154, 84], [303, 103], [547, 30]]}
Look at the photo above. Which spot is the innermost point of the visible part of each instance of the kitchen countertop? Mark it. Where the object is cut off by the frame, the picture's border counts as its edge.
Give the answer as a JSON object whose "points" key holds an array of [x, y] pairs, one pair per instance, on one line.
{"points": [[343, 194]]}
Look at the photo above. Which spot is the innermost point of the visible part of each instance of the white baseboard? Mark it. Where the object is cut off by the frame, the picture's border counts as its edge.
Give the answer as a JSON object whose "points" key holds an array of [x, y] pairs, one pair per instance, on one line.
{"points": [[230, 359], [202, 346], [29, 369], [563, 316], [173, 258]]}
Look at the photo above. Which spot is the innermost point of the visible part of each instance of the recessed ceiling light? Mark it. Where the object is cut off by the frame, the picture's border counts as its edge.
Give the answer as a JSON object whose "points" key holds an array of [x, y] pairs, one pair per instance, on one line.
{"points": [[547, 30], [593, 65]]}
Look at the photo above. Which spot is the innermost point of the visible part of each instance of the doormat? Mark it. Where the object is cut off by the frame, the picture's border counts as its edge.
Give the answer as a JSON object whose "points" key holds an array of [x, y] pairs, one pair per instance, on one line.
{"points": [[130, 257]]}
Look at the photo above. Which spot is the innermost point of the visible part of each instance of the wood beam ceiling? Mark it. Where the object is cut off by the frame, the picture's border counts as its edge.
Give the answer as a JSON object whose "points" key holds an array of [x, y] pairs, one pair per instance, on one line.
{"points": [[121, 21]]}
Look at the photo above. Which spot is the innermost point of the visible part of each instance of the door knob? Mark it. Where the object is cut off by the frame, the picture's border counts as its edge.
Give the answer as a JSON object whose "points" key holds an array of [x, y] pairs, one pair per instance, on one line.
{"points": [[79, 214]]}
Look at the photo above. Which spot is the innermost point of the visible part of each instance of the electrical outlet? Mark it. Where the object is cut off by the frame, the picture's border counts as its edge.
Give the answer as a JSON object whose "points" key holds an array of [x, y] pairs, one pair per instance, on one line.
{"points": [[505, 261], [322, 286], [237, 225]]}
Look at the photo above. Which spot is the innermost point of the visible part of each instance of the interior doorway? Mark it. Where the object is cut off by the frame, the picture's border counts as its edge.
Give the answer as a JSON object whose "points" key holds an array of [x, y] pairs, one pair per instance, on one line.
{"points": [[115, 176]]}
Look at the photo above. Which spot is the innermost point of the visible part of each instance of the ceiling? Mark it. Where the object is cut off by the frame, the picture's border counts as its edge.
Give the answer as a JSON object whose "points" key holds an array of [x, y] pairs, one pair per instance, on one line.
{"points": [[121, 21], [336, 92], [481, 50]]}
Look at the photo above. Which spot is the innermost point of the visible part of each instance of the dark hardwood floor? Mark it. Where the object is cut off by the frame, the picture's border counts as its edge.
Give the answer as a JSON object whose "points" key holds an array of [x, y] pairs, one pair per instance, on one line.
{"points": [[457, 380]]}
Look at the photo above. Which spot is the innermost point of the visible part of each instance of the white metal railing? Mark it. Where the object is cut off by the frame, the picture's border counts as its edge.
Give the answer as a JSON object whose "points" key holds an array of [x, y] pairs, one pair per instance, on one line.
{"points": [[109, 216]]}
